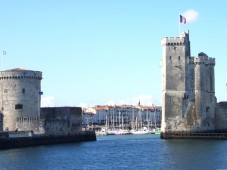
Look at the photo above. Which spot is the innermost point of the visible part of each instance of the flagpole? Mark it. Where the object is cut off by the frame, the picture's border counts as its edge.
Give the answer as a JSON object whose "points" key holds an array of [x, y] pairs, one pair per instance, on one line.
{"points": [[179, 24], [2, 60], [3, 53]]}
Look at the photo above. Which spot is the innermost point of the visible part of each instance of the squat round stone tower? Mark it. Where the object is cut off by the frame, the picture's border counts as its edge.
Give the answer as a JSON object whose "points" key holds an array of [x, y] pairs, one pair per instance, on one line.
{"points": [[20, 99]]}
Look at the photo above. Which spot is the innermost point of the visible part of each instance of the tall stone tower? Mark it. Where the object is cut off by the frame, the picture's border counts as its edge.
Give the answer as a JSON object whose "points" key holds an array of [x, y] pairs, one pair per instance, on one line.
{"points": [[187, 88], [20, 99]]}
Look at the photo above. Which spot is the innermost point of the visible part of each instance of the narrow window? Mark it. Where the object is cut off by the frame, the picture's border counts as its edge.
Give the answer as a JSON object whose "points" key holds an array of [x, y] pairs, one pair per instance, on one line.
{"points": [[170, 57], [207, 109], [178, 57], [23, 91], [18, 106]]}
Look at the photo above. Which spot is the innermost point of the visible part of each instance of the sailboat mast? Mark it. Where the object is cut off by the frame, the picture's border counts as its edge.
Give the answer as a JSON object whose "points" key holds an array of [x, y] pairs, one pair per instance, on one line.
{"points": [[119, 119], [106, 121], [122, 120]]}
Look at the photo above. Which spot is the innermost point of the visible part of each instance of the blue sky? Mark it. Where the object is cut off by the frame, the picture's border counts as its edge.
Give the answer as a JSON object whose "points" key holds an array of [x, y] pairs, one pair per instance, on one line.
{"points": [[95, 52]]}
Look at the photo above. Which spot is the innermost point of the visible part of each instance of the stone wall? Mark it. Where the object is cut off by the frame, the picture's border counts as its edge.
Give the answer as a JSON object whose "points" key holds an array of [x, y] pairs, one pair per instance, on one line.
{"points": [[221, 117], [6, 142], [61, 120], [177, 84], [19, 98], [187, 88], [1, 122]]}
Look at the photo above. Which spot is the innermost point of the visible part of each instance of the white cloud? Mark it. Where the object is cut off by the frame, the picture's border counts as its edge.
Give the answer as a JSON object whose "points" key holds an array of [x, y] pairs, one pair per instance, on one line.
{"points": [[144, 100], [111, 103], [47, 101], [191, 15], [82, 104]]}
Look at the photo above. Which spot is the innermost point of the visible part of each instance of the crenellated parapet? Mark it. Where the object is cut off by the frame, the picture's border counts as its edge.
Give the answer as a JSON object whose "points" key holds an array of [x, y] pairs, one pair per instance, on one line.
{"points": [[204, 59], [173, 41], [20, 74], [176, 41], [190, 60]]}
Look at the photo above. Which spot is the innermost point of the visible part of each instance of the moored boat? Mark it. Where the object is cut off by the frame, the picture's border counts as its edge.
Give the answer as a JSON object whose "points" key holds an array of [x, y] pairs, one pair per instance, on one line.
{"points": [[142, 131], [101, 132], [157, 131], [118, 132]]}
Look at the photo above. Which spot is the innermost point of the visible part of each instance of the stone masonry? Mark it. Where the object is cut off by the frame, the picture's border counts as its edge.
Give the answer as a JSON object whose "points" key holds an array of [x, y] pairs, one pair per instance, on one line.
{"points": [[20, 99], [188, 91], [61, 120], [20, 94]]}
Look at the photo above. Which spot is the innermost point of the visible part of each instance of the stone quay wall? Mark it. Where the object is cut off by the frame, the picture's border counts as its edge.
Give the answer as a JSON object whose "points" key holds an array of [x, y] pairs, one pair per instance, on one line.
{"points": [[37, 140], [61, 120]]}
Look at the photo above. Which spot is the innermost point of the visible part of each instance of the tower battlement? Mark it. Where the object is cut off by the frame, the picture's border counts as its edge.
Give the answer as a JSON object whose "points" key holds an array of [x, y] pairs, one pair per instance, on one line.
{"points": [[204, 60], [20, 74], [176, 41], [172, 41]]}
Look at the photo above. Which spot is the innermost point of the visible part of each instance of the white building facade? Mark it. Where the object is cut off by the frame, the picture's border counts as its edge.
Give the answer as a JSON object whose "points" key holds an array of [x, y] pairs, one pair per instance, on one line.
{"points": [[122, 115]]}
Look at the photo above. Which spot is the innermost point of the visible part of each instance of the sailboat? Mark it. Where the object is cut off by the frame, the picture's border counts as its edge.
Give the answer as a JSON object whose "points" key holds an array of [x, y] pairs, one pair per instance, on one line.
{"points": [[144, 130], [141, 130], [103, 131], [119, 131], [157, 130]]}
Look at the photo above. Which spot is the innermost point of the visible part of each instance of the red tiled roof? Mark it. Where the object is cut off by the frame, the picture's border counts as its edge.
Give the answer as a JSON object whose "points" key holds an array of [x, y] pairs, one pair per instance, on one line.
{"points": [[107, 107]]}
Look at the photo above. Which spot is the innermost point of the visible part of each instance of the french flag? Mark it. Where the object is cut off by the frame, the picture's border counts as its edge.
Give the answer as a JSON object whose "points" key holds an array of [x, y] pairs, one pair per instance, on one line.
{"points": [[182, 19]]}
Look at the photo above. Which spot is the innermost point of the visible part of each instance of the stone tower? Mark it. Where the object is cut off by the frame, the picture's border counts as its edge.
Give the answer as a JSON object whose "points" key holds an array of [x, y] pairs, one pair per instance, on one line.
{"points": [[188, 94], [20, 99]]}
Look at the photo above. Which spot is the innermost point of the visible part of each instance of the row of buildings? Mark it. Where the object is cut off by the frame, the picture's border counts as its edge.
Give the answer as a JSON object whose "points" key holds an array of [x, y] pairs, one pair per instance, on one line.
{"points": [[122, 115]]}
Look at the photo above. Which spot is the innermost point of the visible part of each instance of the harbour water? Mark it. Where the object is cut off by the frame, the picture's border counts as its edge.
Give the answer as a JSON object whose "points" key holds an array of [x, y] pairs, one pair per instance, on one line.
{"points": [[120, 152]]}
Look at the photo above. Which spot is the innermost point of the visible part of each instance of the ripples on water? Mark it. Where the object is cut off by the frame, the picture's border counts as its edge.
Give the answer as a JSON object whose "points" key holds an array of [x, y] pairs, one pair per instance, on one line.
{"points": [[121, 152]]}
